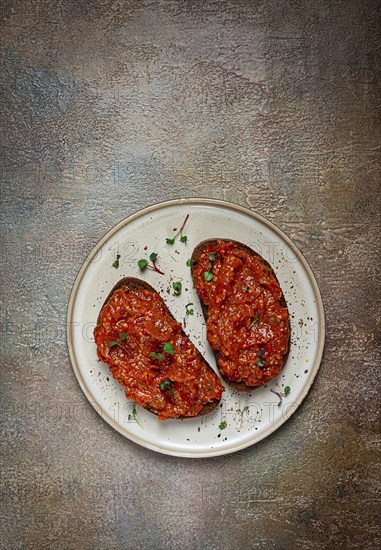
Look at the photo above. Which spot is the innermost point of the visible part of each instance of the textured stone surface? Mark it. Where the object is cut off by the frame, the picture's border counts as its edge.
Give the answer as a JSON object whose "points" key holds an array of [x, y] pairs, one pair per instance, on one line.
{"points": [[110, 106]]}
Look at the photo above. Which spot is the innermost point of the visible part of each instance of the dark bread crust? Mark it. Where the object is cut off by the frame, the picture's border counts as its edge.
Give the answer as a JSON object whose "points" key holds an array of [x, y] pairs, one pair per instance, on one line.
{"points": [[197, 252], [132, 283]]}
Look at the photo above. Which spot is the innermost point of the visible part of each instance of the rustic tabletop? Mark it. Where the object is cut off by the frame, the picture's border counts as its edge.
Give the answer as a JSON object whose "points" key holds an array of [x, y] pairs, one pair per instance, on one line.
{"points": [[112, 106]]}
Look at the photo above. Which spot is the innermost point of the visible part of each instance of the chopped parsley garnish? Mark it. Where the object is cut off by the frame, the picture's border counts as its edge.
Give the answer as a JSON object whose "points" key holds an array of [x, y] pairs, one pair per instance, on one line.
{"points": [[168, 348], [259, 362], [188, 262], [287, 390], [267, 268], [116, 263], [222, 425], [208, 276], [212, 256], [183, 238], [261, 352], [143, 263], [123, 335], [177, 287], [188, 310], [165, 384]]}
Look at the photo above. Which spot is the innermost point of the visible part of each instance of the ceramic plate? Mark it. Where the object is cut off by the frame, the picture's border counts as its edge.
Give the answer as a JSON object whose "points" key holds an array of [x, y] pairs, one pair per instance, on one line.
{"points": [[248, 417]]}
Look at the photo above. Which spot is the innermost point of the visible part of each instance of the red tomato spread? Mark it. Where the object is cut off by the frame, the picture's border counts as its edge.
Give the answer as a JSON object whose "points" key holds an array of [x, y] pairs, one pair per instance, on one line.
{"points": [[248, 321], [134, 327]]}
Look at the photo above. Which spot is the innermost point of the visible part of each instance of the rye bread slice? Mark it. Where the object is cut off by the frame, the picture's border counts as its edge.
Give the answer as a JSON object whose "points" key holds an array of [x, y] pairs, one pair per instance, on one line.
{"points": [[197, 252], [132, 283]]}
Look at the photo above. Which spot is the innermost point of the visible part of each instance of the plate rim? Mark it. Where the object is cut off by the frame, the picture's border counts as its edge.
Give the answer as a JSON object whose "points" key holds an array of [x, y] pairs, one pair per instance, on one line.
{"points": [[212, 452]]}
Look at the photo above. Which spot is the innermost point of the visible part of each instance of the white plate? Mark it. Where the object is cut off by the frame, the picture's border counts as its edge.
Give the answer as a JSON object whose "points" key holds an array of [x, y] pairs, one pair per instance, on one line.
{"points": [[249, 417]]}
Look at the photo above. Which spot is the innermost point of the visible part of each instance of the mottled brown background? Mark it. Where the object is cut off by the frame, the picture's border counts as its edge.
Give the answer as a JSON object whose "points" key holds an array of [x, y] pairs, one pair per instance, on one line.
{"points": [[109, 106]]}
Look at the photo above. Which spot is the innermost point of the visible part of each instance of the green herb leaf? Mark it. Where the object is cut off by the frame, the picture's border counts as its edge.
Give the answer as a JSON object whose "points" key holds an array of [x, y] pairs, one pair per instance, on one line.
{"points": [[208, 276], [255, 320], [287, 390], [111, 344], [188, 262], [156, 355], [212, 256], [116, 262], [132, 414], [183, 238], [266, 268], [189, 311], [259, 362], [123, 335], [165, 384], [223, 425], [142, 264], [168, 348], [170, 392], [177, 286], [261, 352]]}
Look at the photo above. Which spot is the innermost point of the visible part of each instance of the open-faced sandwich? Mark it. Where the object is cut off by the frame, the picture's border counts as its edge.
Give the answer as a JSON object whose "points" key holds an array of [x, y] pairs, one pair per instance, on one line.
{"points": [[247, 319], [149, 354]]}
